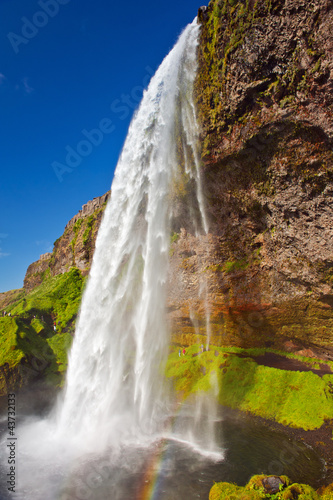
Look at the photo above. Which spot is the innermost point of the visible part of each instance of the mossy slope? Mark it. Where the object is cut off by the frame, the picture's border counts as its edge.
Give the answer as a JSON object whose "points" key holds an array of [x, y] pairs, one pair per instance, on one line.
{"points": [[292, 398], [30, 348]]}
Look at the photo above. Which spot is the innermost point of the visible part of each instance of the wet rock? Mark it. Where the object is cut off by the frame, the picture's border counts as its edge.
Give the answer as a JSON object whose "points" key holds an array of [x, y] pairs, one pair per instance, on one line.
{"points": [[265, 103], [272, 484]]}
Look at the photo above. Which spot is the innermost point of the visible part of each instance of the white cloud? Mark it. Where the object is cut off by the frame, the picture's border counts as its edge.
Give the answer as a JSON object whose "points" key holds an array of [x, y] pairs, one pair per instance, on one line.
{"points": [[47, 246], [22, 86], [26, 86], [3, 254]]}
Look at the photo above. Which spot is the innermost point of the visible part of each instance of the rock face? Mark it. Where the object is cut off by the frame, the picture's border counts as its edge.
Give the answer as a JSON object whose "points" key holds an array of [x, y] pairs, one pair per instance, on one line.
{"points": [[37, 271], [74, 248], [265, 99], [89, 209]]}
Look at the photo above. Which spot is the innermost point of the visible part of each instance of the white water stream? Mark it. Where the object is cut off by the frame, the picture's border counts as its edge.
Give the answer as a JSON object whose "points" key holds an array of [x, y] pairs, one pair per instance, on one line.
{"points": [[115, 392], [114, 375]]}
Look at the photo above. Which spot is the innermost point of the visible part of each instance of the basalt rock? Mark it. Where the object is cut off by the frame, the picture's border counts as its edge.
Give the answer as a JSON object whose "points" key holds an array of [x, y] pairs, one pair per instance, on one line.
{"points": [[264, 93]]}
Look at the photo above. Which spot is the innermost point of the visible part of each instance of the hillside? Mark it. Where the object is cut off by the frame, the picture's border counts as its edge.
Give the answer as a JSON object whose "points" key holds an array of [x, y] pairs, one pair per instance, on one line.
{"points": [[31, 349]]}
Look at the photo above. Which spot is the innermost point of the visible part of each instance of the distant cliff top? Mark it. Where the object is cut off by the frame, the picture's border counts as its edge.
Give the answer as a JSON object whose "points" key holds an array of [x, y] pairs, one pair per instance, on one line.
{"points": [[74, 248], [89, 208]]}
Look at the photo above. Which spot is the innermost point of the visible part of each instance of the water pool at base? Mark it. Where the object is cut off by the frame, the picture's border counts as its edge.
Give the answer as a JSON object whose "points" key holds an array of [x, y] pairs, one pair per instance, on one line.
{"points": [[168, 469]]}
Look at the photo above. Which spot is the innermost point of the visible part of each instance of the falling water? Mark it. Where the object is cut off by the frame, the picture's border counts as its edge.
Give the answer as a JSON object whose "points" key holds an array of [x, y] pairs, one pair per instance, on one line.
{"points": [[114, 375], [115, 393]]}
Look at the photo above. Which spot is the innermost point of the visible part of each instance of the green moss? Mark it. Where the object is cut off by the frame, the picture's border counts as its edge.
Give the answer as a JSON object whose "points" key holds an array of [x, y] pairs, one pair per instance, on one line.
{"points": [[326, 493], [254, 490], [226, 491], [242, 264], [222, 33], [215, 268], [228, 30], [60, 345], [37, 325], [59, 296], [287, 101], [299, 491], [174, 238], [280, 395], [9, 352], [87, 232], [236, 265], [77, 225], [27, 338], [316, 66]]}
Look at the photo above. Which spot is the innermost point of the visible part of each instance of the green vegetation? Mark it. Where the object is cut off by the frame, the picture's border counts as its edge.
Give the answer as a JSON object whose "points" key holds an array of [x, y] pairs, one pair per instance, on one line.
{"points": [[236, 265], [28, 340], [76, 229], [240, 383], [8, 345], [77, 225], [174, 238], [60, 345], [255, 490], [58, 296], [87, 232], [223, 32], [229, 28]]}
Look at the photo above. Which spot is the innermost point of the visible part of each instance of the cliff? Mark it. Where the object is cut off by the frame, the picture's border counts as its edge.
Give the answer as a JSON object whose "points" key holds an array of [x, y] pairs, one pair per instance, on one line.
{"points": [[264, 93], [74, 248]]}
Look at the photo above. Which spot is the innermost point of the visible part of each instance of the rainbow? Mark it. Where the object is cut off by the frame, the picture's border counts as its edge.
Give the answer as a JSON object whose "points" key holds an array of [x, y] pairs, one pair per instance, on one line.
{"points": [[151, 481]]}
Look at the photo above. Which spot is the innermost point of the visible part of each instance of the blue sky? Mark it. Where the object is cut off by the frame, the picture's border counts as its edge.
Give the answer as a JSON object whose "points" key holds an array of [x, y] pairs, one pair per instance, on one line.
{"points": [[71, 75]]}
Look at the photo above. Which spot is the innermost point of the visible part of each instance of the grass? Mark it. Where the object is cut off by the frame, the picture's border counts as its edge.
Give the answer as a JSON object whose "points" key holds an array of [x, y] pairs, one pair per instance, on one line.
{"points": [[60, 345], [8, 345], [240, 383], [58, 296], [28, 339]]}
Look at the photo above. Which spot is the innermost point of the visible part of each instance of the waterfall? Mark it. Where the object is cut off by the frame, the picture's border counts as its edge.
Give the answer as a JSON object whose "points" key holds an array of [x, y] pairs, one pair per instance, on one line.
{"points": [[114, 375], [116, 402]]}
